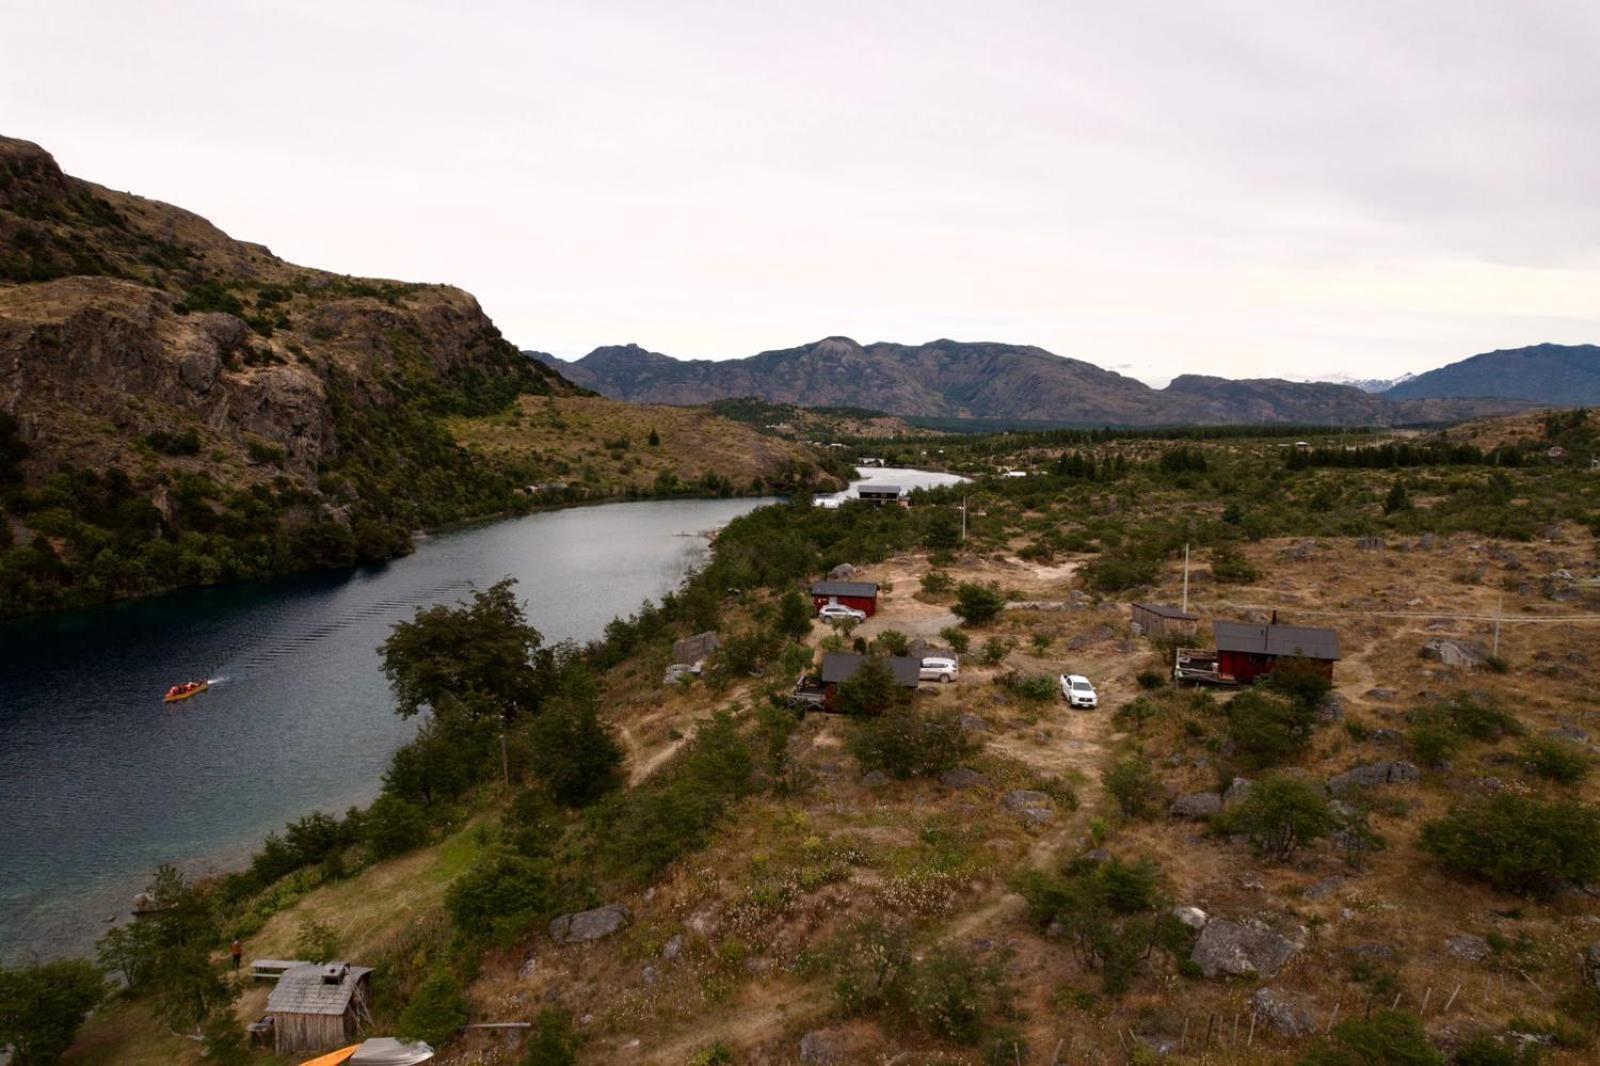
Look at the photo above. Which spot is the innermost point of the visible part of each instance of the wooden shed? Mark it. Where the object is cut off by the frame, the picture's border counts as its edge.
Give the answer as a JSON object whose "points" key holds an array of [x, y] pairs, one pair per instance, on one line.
{"points": [[1162, 620], [1246, 651], [862, 595], [318, 1006], [840, 666]]}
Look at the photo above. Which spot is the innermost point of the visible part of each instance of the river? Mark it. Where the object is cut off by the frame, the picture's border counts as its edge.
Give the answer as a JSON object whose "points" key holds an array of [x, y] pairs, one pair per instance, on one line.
{"points": [[100, 781]]}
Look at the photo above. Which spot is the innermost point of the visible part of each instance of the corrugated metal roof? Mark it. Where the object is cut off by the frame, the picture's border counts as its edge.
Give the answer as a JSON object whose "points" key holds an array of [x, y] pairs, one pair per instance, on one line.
{"points": [[879, 490], [1303, 641], [1163, 610], [303, 991], [845, 588], [840, 666]]}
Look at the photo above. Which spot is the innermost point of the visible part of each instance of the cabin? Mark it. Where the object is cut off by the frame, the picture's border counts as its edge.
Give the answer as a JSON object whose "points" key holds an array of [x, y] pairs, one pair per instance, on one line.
{"points": [[862, 595], [841, 666], [1247, 651], [316, 1006], [1162, 620], [882, 494]]}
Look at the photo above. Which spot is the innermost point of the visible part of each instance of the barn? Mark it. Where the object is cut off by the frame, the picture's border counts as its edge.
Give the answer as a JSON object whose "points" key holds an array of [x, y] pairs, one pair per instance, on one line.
{"points": [[840, 666], [882, 494], [1162, 620], [862, 595], [319, 1005], [1246, 651]]}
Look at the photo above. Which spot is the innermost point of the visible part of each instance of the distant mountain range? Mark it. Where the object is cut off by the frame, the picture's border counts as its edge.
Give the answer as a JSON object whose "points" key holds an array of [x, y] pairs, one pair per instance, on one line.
{"points": [[947, 379], [1566, 375]]}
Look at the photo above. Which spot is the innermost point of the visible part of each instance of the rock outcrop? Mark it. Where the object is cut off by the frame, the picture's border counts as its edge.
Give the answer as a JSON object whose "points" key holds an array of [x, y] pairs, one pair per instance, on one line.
{"points": [[589, 925], [1248, 948]]}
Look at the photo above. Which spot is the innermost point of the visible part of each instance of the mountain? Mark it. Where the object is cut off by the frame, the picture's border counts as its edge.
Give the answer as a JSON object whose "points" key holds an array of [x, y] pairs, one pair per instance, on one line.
{"points": [[1367, 384], [1552, 374], [178, 407], [949, 379]]}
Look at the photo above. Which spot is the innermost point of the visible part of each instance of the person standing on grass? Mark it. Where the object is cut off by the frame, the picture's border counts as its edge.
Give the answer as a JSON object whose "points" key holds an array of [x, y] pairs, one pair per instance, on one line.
{"points": [[237, 951]]}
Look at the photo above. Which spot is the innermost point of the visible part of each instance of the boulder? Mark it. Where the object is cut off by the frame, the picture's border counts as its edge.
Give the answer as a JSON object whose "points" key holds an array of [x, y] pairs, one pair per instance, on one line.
{"points": [[825, 1047], [1468, 946], [1460, 654], [1249, 948], [589, 925], [963, 777], [1238, 790], [1193, 917], [1032, 806], [1590, 966], [1324, 888], [1371, 952], [973, 724], [874, 779], [1378, 773], [672, 947], [1284, 1015], [1197, 806], [842, 572], [1382, 695], [1331, 709]]}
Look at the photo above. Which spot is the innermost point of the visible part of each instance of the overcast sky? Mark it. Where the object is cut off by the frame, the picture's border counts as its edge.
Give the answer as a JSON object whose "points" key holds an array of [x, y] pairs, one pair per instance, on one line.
{"points": [[1252, 189]]}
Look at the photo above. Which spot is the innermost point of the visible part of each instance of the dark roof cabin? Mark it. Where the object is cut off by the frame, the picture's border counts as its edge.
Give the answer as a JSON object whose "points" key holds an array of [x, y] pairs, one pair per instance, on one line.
{"points": [[1162, 620], [881, 494], [862, 595], [1246, 651], [840, 666], [319, 1005]]}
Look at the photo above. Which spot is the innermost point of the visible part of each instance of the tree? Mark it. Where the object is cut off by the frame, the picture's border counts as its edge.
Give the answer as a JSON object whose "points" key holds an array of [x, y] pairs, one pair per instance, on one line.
{"points": [[872, 689], [892, 642], [1387, 1038], [42, 1007], [1280, 814], [551, 1041], [392, 826], [1134, 785], [1267, 730], [976, 604], [573, 751], [794, 615], [1518, 843], [316, 941], [501, 897], [481, 654], [1304, 681], [1398, 499], [908, 743], [173, 962], [655, 438], [436, 1012]]}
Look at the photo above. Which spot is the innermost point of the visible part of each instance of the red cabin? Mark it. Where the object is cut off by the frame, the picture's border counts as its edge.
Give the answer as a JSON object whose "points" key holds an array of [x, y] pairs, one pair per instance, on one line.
{"points": [[1246, 652], [841, 666], [862, 595]]}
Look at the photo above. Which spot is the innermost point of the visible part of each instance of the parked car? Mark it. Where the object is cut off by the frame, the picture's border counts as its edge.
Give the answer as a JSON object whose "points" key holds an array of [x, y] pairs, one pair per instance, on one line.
{"points": [[838, 612], [1078, 691], [938, 668]]}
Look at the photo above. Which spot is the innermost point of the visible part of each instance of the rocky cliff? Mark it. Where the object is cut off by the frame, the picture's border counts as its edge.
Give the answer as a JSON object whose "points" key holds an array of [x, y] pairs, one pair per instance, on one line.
{"points": [[181, 406], [950, 379]]}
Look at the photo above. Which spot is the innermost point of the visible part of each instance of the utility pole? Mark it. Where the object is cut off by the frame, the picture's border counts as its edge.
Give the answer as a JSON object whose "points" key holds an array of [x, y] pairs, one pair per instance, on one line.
{"points": [[963, 518], [1499, 609], [1185, 577], [505, 761]]}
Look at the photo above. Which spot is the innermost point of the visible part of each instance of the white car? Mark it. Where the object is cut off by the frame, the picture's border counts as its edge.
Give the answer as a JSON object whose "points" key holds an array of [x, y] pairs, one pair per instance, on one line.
{"points": [[937, 668], [838, 612], [1078, 691]]}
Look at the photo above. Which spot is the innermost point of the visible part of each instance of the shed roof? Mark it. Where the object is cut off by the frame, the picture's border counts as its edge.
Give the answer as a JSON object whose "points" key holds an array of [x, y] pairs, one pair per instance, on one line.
{"points": [[1304, 641], [840, 666], [302, 990], [845, 588], [1162, 610], [879, 490]]}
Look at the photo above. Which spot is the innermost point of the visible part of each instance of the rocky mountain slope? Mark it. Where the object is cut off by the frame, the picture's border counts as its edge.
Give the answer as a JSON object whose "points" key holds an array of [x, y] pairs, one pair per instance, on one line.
{"points": [[950, 379], [179, 407], [1559, 374]]}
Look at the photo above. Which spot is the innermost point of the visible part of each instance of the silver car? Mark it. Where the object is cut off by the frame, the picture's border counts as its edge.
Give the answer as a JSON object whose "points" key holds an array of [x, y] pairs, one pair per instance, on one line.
{"points": [[938, 668]]}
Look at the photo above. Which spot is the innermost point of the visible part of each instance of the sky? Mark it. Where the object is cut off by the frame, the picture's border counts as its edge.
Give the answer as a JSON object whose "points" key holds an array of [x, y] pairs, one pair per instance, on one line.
{"points": [[1277, 188]]}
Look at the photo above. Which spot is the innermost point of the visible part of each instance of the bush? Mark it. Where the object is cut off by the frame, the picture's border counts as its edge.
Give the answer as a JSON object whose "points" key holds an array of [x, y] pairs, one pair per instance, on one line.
{"points": [[1150, 680], [1133, 783], [1487, 1049], [1036, 688], [1518, 843], [552, 1041], [1279, 815], [892, 642], [937, 583], [977, 604], [947, 993], [1267, 730], [1135, 713], [1433, 743], [437, 1011], [1230, 567], [1387, 1038], [906, 742], [316, 942], [872, 689], [392, 827], [1303, 681], [573, 750], [42, 1007], [995, 650], [959, 642], [501, 897], [1556, 759], [1124, 568]]}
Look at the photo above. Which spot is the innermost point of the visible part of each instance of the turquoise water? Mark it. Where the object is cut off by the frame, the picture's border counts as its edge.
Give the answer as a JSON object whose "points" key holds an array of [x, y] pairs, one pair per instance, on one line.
{"points": [[100, 781]]}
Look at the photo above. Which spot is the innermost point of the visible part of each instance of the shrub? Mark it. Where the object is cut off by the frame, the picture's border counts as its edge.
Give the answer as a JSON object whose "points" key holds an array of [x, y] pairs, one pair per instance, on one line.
{"points": [[906, 742], [436, 1012], [892, 642], [1303, 681], [1387, 1038], [995, 650], [1433, 743], [392, 826], [1518, 843], [977, 604], [1229, 565], [959, 642], [1036, 688], [937, 583], [1150, 680], [794, 615], [872, 689], [1133, 783], [1135, 713], [552, 1041], [316, 941], [501, 897], [1487, 1049], [573, 750], [1556, 759], [1041, 642], [1124, 568], [1279, 815], [1267, 730]]}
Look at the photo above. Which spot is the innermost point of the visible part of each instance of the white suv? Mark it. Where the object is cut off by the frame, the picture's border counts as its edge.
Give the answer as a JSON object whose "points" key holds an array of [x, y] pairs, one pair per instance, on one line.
{"points": [[1078, 691], [838, 612], [937, 668]]}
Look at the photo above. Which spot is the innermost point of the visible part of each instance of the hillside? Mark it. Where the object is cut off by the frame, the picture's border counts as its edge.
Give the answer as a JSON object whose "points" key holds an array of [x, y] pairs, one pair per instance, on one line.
{"points": [[178, 407], [1558, 374], [589, 445], [950, 379]]}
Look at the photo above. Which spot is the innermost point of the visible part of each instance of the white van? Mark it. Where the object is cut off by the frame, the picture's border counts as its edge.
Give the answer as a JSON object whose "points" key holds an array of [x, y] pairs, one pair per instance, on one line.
{"points": [[938, 668]]}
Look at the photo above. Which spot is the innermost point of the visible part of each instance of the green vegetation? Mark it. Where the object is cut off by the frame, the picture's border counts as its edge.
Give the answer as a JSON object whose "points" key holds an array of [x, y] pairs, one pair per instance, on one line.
{"points": [[977, 604], [43, 1005], [1518, 843], [1387, 1038], [909, 742], [1280, 815]]}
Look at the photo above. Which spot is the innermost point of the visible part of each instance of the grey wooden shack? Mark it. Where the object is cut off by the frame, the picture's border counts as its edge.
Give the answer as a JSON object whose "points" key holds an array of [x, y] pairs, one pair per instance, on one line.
{"points": [[319, 1006], [1162, 620]]}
